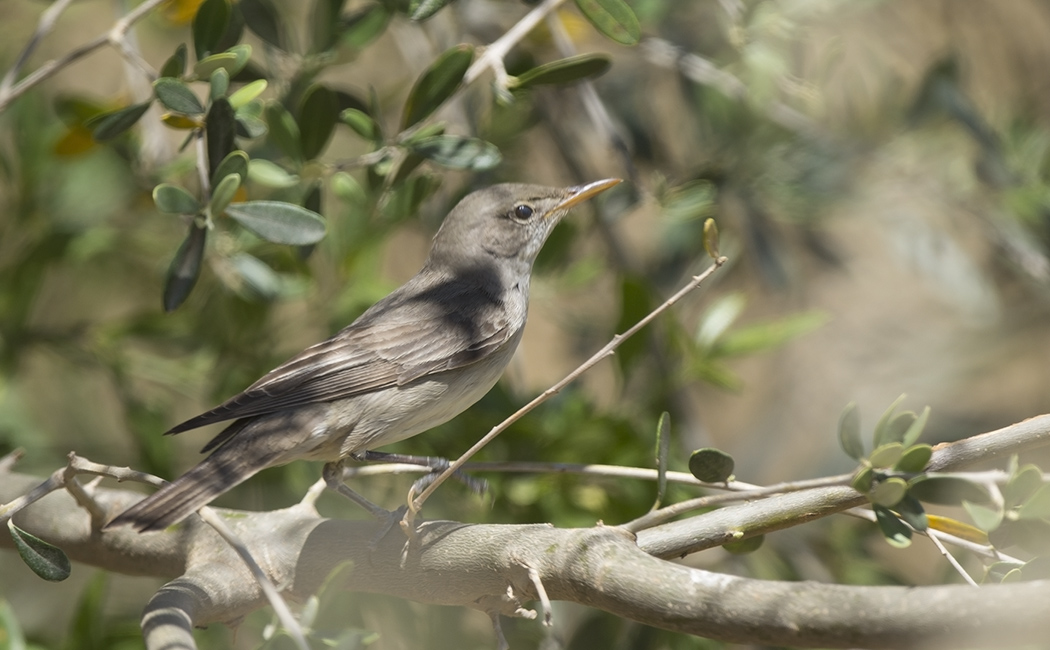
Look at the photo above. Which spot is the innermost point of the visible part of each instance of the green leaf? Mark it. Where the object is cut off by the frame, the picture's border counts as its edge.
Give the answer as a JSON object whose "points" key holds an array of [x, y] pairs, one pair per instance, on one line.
{"points": [[1037, 506], [220, 128], [45, 560], [985, 518], [219, 84], [420, 10], [325, 24], [766, 336], [177, 96], [915, 430], [887, 455], [1031, 535], [362, 124], [209, 25], [893, 530], [711, 238], [185, 268], [223, 61], [863, 480], [364, 26], [663, 448], [457, 152], [711, 465], [270, 174], [565, 71], [258, 278], [882, 433], [718, 318], [947, 490], [175, 66], [224, 193], [262, 17], [912, 512], [247, 93], [234, 163], [284, 132], [888, 493], [436, 84], [849, 432], [11, 628], [745, 546], [318, 114], [279, 222], [1022, 485], [914, 459], [612, 18], [108, 126], [172, 199]]}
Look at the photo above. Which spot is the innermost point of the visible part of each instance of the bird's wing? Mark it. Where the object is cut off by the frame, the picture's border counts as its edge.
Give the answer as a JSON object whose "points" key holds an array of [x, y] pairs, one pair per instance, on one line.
{"points": [[372, 354]]}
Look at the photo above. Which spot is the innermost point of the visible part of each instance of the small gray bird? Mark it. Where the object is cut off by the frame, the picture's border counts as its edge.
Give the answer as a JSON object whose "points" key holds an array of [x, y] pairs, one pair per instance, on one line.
{"points": [[412, 361]]}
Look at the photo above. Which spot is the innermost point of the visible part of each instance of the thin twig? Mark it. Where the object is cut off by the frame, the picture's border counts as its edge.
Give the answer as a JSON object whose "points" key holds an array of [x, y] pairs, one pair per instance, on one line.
{"points": [[416, 503], [952, 561], [545, 601], [114, 37], [495, 52], [279, 606], [43, 28]]}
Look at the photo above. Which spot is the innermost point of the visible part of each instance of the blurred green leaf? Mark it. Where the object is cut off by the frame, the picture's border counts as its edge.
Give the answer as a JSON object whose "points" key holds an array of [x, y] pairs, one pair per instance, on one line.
{"points": [[45, 560], [318, 114], [172, 199], [984, 517], [258, 278], [249, 120], [1031, 535], [912, 512], [236, 162], [711, 465], [364, 26], [185, 268], [436, 84], [209, 25], [863, 480], [889, 492], [663, 448], [565, 71], [769, 335], [88, 626], [849, 432], [284, 132], [745, 546], [247, 93], [456, 152], [718, 318], [1037, 506], [893, 530], [420, 10], [270, 174], [175, 66], [362, 124], [947, 490], [224, 193], [887, 455], [10, 627], [1022, 485], [108, 126], [882, 433], [227, 61], [325, 24], [711, 238], [262, 17], [177, 96], [279, 222], [220, 129], [917, 427], [614, 18], [914, 459]]}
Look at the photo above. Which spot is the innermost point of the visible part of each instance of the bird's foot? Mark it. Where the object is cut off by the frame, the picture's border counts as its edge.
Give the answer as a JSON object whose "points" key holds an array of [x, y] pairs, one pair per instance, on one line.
{"points": [[435, 463]]}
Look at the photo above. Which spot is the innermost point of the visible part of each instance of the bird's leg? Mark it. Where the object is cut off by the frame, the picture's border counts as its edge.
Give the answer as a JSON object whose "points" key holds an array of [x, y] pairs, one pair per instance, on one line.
{"points": [[435, 463], [333, 478]]}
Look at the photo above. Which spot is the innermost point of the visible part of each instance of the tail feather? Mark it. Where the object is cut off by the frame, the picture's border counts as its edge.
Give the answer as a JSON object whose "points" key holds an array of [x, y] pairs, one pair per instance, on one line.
{"points": [[187, 494]]}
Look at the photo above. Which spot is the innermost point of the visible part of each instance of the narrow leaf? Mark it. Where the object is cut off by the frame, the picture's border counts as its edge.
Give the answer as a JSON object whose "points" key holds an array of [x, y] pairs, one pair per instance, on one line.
{"points": [[912, 512], [1037, 506], [227, 61], [224, 193], [947, 490], [279, 222], [45, 560], [984, 518], [247, 93], [849, 432], [175, 66], [325, 24], [109, 125], [1022, 485], [957, 528], [266, 173], [457, 152], [893, 530], [257, 277], [364, 26], [318, 114], [916, 428], [565, 71], [881, 435], [420, 10], [261, 17], [234, 163], [436, 84], [362, 123], [711, 238], [172, 199], [612, 18], [185, 268], [220, 131], [284, 132], [177, 96], [663, 448], [219, 84]]}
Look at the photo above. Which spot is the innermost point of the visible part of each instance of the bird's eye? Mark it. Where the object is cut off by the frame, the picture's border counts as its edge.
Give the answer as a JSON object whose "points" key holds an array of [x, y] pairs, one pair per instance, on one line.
{"points": [[522, 211]]}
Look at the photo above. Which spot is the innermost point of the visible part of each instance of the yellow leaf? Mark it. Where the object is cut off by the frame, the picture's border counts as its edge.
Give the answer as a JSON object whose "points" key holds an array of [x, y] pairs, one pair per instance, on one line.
{"points": [[75, 141], [181, 12], [957, 528], [181, 122]]}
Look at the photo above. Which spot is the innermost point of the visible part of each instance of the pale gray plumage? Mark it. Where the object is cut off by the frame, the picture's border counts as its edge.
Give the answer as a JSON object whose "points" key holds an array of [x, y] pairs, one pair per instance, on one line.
{"points": [[413, 360]]}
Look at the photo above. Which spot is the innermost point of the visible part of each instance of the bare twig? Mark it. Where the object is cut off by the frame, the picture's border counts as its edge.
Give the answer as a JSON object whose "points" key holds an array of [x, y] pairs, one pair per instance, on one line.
{"points": [[272, 595], [416, 503], [43, 28], [495, 52], [541, 592], [9, 91]]}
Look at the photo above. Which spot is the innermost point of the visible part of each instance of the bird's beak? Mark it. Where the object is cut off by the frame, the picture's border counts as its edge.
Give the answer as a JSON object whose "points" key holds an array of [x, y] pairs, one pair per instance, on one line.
{"points": [[580, 193]]}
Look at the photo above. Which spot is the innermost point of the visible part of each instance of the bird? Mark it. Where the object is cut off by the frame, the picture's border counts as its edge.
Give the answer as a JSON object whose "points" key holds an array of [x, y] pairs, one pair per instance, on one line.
{"points": [[415, 359]]}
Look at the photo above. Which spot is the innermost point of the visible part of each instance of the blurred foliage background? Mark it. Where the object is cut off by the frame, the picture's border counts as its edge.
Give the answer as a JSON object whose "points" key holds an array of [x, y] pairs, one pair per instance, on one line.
{"points": [[878, 169]]}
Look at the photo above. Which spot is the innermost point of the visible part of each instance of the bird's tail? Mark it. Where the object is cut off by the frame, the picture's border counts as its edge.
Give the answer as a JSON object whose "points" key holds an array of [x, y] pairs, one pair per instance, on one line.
{"points": [[228, 466]]}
